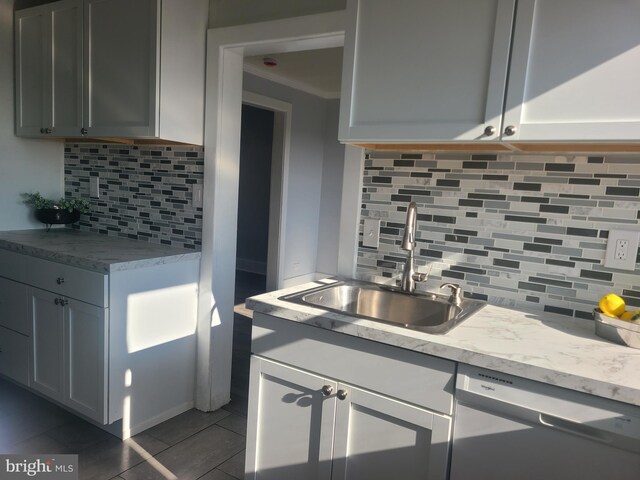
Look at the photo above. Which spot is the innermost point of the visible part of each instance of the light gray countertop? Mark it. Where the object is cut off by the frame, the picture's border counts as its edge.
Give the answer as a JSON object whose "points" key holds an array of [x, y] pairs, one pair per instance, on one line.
{"points": [[549, 348], [92, 251]]}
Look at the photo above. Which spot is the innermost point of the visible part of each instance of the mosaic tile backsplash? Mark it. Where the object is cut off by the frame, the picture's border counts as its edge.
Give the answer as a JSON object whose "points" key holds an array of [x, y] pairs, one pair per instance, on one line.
{"points": [[145, 191], [523, 231]]}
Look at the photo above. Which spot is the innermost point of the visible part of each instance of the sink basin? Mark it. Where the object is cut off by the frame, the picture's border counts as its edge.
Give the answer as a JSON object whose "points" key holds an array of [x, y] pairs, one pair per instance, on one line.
{"points": [[425, 312]]}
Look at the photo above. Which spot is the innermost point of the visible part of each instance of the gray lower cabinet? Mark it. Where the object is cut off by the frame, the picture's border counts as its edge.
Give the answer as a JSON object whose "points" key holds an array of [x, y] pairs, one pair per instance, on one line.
{"points": [[67, 352], [323, 405]]}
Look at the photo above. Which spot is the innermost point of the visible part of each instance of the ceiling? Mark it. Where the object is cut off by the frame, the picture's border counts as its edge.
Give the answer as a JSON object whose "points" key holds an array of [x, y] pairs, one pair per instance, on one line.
{"points": [[318, 72]]}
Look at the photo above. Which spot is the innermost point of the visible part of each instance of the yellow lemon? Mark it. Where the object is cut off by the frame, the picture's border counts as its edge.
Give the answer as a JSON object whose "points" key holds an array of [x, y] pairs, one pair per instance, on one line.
{"points": [[612, 305], [628, 315]]}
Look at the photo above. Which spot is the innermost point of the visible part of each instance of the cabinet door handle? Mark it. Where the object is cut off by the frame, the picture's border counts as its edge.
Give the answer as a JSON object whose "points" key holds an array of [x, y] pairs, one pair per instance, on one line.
{"points": [[60, 280], [46, 130], [57, 301], [342, 394], [510, 130], [490, 130], [326, 390], [83, 131], [63, 302]]}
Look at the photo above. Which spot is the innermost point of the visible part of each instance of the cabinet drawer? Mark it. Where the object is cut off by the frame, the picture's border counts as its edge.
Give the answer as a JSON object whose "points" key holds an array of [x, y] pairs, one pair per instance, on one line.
{"points": [[408, 376], [14, 355], [73, 282], [14, 312]]}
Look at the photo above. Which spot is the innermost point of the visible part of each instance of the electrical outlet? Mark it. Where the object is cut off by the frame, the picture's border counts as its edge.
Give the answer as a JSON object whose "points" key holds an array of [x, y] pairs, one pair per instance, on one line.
{"points": [[94, 187], [622, 249], [196, 195], [371, 232]]}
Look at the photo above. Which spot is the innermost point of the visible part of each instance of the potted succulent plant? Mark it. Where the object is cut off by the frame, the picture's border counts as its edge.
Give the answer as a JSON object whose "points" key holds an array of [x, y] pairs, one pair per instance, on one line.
{"points": [[49, 212]]}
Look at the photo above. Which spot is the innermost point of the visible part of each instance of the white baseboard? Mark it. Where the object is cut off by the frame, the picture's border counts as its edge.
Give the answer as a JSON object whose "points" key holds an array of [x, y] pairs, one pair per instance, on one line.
{"points": [[117, 429], [251, 266]]}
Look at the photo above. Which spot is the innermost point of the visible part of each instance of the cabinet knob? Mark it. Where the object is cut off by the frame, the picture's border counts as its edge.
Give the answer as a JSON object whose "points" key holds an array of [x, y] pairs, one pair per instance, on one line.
{"points": [[490, 130], [63, 302], [57, 301], [46, 130], [510, 130], [60, 280], [326, 390], [83, 131], [342, 394]]}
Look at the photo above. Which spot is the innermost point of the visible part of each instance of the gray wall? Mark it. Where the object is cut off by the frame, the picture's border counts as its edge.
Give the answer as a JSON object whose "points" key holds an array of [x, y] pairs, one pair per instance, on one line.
{"points": [[256, 143], [224, 13], [332, 173], [306, 169], [25, 165]]}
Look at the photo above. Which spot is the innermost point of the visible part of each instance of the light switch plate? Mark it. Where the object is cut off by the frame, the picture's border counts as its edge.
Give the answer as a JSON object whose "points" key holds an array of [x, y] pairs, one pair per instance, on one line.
{"points": [[94, 187], [371, 232], [622, 249]]}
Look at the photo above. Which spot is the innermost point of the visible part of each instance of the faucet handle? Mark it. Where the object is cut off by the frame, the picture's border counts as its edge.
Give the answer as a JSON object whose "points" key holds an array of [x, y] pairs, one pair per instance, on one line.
{"points": [[419, 277], [456, 292]]}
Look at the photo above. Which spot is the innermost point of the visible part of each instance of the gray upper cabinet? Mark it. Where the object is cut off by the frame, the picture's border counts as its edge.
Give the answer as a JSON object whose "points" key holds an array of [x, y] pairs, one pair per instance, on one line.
{"points": [[420, 70], [436, 70], [120, 69], [575, 71], [49, 69]]}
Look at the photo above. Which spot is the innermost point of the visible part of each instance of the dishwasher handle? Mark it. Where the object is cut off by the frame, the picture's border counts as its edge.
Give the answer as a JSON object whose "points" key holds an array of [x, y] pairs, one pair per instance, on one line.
{"points": [[573, 428]]}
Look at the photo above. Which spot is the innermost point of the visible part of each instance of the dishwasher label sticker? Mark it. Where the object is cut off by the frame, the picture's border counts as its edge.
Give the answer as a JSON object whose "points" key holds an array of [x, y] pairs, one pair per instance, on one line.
{"points": [[487, 387], [50, 467]]}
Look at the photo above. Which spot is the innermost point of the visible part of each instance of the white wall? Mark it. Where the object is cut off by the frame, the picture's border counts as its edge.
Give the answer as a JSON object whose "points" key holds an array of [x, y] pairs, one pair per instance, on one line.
{"points": [[224, 13], [330, 204], [305, 173], [25, 165]]}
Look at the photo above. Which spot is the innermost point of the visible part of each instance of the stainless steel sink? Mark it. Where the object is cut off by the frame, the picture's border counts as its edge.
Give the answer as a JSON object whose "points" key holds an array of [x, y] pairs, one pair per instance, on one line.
{"points": [[426, 312]]}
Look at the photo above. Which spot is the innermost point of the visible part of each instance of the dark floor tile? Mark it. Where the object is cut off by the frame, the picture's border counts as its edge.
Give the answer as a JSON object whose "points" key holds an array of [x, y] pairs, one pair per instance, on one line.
{"points": [[18, 427], [238, 406], [191, 458], [78, 435], [39, 444], [184, 425], [113, 456], [216, 474], [236, 423], [234, 466]]}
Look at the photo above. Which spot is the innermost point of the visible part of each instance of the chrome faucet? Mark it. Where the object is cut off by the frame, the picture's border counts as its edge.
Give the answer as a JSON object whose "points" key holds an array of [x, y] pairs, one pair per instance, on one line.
{"points": [[409, 275]]}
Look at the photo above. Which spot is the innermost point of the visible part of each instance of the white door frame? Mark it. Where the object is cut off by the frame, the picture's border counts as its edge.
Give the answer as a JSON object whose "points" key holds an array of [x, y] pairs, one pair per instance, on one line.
{"points": [[279, 182], [226, 48]]}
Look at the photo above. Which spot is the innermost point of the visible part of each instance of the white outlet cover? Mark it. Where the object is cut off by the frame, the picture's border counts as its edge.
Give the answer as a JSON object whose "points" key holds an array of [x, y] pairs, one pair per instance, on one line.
{"points": [[371, 232], [610, 259], [94, 187]]}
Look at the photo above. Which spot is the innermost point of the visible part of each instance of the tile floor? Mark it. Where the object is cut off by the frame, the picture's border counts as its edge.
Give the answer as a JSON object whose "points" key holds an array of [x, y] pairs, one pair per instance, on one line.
{"points": [[194, 445]]}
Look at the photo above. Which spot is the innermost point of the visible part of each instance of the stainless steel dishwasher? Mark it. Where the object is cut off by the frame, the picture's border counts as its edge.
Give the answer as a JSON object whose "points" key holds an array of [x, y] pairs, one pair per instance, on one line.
{"points": [[507, 427]]}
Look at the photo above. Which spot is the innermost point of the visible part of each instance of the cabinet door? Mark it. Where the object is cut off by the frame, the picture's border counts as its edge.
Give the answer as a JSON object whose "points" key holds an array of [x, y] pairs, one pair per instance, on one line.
{"points": [[575, 71], [46, 348], [379, 438], [418, 70], [66, 68], [14, 306], [85, 359], [32, 61], [290, 424], [121, 63]]}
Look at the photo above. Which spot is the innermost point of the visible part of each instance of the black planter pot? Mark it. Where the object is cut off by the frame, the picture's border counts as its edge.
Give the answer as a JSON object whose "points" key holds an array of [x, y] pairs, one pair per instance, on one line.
{"points": [[52, 216]]}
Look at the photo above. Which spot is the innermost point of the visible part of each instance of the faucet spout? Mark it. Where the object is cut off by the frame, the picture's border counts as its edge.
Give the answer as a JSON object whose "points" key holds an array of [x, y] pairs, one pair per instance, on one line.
{"points": [[409, 239], [409, 276]]}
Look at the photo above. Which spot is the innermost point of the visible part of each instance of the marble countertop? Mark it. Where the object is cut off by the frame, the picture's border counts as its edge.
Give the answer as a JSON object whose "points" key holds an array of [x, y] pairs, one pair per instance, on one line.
{"points": [[92, 251], [549, 348]]}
